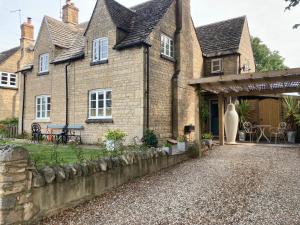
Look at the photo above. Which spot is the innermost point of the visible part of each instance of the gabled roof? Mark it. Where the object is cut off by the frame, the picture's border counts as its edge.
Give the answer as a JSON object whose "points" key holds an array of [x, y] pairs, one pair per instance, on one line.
{"points": [[8, 53], [221, 38], [138, 22], [61, 34], [147, 16]]}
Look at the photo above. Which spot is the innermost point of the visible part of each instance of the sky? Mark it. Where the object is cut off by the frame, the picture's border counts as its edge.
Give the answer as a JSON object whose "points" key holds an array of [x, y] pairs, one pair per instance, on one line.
{"points": [[267, 19]]}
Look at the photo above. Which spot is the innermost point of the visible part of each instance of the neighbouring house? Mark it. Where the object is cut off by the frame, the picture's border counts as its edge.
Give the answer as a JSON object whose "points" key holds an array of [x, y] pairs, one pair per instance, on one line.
{"points": [[126, 68], [10, 62], [227, 50]]}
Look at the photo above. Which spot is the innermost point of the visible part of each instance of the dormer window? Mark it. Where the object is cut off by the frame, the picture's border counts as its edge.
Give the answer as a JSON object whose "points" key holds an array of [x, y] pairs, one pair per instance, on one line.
{"points": [[217, 66], [167, 46], [44, 63], [100, 50]]}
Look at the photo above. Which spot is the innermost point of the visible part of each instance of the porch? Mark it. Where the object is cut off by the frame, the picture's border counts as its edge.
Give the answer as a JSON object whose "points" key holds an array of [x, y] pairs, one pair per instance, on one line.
{"points": [[251, 84]]}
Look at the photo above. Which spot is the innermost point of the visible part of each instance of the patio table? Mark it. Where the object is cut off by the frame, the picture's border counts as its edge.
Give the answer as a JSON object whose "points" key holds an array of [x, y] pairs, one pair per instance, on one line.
{"points": [[262, 129]]}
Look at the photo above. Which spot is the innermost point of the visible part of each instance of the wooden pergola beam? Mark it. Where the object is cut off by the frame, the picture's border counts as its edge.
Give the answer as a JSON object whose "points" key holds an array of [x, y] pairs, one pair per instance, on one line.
{"points": [[288, 74]]}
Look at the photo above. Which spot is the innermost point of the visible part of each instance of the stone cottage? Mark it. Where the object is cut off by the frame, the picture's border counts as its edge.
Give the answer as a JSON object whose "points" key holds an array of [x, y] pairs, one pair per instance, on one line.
{"points": [[10, 62], [227, 50], [126, 68]]}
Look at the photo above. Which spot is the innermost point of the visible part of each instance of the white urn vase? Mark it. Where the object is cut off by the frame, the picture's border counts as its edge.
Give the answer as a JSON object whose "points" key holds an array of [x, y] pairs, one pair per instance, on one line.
{"points": [[231, 124]]}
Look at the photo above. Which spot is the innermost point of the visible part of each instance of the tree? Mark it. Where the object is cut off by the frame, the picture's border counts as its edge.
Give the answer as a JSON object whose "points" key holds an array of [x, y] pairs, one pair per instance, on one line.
{"points": [[293, 3], [265, 59]]}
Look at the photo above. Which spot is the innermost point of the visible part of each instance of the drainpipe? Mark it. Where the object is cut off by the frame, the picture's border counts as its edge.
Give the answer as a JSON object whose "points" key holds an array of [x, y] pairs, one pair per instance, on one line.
{"points": [[23, 102], [147, 85], [177, 68], [67, 97]]}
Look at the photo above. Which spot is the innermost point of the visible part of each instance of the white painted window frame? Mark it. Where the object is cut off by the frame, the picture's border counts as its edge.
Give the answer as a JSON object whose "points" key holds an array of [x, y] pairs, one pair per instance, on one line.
{"points": [[220, 65], [44, 63], [104, 92], [100, 46], [46, 109], [9, 82], [167, 46]]}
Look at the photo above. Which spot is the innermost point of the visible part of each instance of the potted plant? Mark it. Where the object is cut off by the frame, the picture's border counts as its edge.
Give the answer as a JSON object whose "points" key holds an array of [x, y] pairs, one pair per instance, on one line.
{"points": [[207, 140], [181, 143], [292, 110], [243, 108], [167, 148], [114, 139]]}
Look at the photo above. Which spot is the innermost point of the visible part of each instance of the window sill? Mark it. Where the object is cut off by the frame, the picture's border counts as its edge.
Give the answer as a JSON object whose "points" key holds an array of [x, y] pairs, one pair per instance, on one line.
{"points": [[42, 121], [171, 59], [100, 121], [43, 73], [99, 62], [9, 88], [216, 73]]}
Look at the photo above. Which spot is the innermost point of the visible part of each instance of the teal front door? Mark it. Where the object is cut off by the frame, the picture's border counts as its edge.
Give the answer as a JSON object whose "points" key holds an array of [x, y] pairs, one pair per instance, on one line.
{"points": [[214, 118]]}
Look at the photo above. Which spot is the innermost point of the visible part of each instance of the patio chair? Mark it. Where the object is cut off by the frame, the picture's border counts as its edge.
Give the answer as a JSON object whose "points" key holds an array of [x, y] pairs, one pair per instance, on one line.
{"points": [[250, 130], [36, 132], [279, 132]]}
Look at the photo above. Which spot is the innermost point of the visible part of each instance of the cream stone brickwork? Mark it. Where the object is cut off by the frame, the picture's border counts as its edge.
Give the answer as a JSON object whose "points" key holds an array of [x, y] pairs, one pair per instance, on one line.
{"points": [[9, 98], [246, 51], [124, 75]]}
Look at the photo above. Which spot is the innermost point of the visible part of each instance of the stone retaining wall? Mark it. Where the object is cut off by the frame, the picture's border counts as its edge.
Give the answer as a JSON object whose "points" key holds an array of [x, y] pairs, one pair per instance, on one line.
{"points": [[28, 195]]}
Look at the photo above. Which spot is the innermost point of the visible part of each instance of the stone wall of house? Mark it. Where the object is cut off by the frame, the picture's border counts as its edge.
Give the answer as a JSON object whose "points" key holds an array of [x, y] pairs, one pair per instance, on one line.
{"points": [[162, 70], [27, 195], [246, 51], [230, 65], [9, 98], [123, 74]]}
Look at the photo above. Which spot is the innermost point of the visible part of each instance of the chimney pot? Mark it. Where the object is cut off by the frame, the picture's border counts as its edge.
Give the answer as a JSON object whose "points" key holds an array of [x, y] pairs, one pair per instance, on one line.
{"points": [[29, 20]]}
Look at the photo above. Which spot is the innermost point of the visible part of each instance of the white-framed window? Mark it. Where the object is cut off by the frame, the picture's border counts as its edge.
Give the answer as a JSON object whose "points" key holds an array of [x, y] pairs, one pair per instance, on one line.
{"points": [[100, 49], [8, 80], [216, 65], [43, 107], [100, 104], [167, 46], [44, 63]]}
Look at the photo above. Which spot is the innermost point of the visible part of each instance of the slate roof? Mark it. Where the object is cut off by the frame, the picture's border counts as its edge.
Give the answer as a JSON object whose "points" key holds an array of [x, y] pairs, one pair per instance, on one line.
{"points": [[221, 38], [147, 15], [138, 22], [8, 53]]}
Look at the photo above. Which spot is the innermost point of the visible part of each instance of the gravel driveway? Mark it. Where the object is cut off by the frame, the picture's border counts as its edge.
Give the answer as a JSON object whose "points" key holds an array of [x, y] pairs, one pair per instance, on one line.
{"points": [[231, 185]]}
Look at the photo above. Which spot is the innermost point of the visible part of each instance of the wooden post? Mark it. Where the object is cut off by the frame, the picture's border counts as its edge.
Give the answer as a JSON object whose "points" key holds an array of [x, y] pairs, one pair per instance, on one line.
{"points": [[221, 119], [197, 117]]}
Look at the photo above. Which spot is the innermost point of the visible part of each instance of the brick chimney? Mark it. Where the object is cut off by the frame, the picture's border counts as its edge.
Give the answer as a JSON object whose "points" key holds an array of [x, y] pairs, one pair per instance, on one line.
{"points": [[27, 30], [70, 13], [26, 43]]}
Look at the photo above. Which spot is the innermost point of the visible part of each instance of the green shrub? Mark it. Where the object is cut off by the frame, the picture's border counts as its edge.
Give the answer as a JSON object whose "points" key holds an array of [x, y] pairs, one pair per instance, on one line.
{"points": [[10, 121], [207, 136], [115, 135], [167, 145], [150, 139], [193, 151], [181, 138]]}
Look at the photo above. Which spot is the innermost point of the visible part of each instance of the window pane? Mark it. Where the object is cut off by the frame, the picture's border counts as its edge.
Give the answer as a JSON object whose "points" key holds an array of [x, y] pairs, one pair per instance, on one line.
{"points": [[38, 101], [108, 95], [93, 112], [108, 111], [101, 104], [100, 112], [108, 103], [93, 104], [4, 79], [100, 96], [93, 96], [104, 48]]}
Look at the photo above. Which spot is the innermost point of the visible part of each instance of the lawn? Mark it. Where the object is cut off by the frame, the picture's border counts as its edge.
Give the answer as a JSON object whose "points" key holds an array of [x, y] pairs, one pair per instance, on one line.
{"points": [[48, 154]]}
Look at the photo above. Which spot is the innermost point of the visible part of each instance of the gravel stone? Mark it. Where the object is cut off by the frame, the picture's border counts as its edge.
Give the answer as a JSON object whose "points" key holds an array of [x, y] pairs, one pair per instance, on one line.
{"points": [[243, 184]]}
